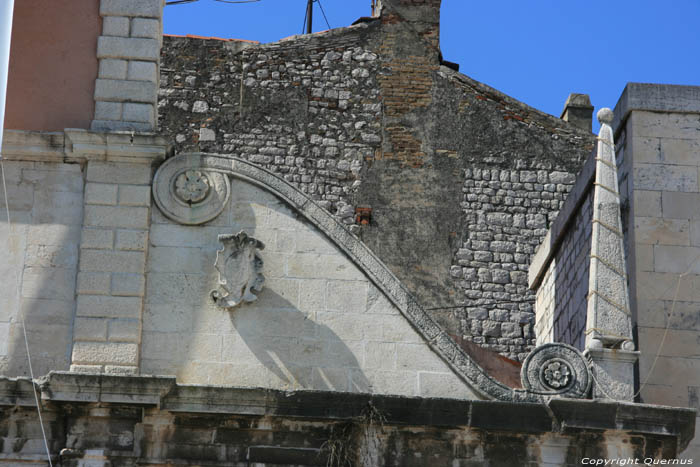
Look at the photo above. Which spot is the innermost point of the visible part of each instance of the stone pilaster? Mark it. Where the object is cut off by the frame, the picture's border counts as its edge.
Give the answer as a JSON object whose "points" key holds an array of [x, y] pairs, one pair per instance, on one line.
{"points": [[113, 248], [128, 50], [609, 344]]}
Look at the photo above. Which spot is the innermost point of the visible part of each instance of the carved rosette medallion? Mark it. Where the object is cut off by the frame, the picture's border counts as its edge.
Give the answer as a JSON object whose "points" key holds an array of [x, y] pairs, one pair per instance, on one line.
{"points": [[186, 193], [192, 186], [556, 369], [240, 270]]}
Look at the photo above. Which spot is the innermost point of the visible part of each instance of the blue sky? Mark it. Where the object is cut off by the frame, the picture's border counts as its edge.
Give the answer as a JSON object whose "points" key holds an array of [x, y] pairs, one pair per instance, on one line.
{"points": [[537, 51]]}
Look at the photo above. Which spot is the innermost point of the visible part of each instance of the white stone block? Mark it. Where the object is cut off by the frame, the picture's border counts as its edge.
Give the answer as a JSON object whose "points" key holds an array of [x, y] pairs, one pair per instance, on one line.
{"points": [[49, 283], [101, 193], [128, 285], [131, 195], [142, 71], [380, 355], [127, 47], [138, 113], [124, 91], [50, 256], [57, 207], [666, 177], [141, 27], [97, 238], [111, 172], [105, 353], [124, 330], [87, 369], [115, 26], [112, 69], [112, 261], [53, 234], [94, 283], [48, 179], [108, 110], [90, 330], [116, 216], [99, 306], [145, 8], [132, 240]]}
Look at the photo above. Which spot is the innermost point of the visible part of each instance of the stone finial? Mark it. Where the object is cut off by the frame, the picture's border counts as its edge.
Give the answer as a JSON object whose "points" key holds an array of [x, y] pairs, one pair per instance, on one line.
{"points": [[609, 342], [578, 111]]}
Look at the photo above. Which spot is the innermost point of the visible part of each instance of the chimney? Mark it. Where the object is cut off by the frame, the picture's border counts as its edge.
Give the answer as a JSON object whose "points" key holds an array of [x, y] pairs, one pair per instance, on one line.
{"points": [[422, 15], [578, 111]]}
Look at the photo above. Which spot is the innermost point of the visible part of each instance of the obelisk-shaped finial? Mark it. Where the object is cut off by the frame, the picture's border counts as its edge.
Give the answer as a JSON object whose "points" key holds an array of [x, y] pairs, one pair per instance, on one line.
{"points": [[608, 321], [609, 342]]}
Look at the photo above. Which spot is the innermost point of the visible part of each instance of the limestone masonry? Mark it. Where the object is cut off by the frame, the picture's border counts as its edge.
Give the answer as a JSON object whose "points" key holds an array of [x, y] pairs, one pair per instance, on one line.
{"points": [[336, 250]]}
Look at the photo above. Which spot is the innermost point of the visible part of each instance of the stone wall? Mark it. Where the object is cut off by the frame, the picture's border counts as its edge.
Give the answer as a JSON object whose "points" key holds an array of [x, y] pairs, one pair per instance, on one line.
{"points": [[658, 140], [41, 252], [318, 323], [451, 171]]}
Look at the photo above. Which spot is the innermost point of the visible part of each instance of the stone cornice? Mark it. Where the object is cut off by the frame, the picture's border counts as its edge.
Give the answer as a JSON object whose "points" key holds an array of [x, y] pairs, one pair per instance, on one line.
{"points": [[76, 145], [557, 416]]}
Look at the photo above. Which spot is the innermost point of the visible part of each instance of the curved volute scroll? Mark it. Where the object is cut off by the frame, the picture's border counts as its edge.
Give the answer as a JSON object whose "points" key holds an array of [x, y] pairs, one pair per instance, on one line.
{"points": [[187, 193], [214, 166]]}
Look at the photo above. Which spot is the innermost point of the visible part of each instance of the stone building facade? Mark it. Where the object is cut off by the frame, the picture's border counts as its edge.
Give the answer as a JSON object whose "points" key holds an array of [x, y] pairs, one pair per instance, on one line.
{"points": [[310, 252]]}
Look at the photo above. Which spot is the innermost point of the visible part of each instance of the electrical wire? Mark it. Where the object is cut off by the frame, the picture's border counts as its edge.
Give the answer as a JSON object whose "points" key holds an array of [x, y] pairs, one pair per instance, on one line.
{"points": [[21, 315], [324, 13], [306, 15]]}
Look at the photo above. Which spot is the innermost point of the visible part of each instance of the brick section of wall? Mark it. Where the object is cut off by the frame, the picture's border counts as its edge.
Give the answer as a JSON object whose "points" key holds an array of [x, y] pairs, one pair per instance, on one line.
{"points": [[562, 296], [128, 51], [111, 278], [40, 250]]}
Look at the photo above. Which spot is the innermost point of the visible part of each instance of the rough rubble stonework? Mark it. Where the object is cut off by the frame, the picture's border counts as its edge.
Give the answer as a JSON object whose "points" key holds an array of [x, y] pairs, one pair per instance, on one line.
{"points": [[462, 181]]}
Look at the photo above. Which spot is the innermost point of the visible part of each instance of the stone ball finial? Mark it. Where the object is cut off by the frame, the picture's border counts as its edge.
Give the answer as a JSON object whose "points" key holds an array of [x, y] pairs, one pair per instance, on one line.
{"points": [[605, 116]]}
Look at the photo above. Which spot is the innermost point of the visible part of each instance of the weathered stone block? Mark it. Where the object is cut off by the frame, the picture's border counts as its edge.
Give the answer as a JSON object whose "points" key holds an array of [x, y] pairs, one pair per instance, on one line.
{"points": [[132, 240], [97, 238], [100, 193], [115, 26], [131, 195], [99, 306], [676, 259], [145, 8], [94, 283], [90, 330], [647, 203], [442, 385], [103, 353], [657, 231], [380, 355], [127, 48], [112, 261], [50, 283], [142, 71], [124, 330], [677, 205], [108, 110], [116, 216], [112, 69], [124, 91], [138, 113], [141, 27], [110, 172], [128, 285], [666, 177]]}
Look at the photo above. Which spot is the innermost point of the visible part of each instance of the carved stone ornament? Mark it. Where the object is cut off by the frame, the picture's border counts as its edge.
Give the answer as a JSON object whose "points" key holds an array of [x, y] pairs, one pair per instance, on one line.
{"points": [[556, 369], [187, 193], [239, 265]]}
